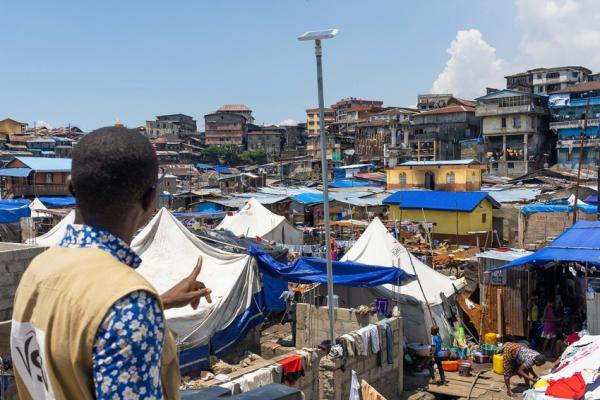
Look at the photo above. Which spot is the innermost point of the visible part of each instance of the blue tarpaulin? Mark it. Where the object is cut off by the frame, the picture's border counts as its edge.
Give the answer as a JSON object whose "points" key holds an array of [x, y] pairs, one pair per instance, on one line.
{"points": [[221, 169], [349, 183], [310, 198], [580, 243], [541, 208], [313, 270], [592, 199], [13, 210], [63, 201], [209, 208]]}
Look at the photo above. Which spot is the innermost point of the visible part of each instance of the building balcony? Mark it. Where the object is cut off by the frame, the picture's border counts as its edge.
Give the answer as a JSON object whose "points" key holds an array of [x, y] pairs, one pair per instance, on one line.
{"points": [[576, 143], [495, 110], [38, 190], [576, 123]]}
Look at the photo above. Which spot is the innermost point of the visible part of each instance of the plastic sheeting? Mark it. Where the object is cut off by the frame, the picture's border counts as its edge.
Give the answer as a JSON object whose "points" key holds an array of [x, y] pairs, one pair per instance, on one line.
{"points": [[169, 253], [314, 270], [54, 235], [377, 246], [13, 210], [64, 201], [580, 243], [255, 220], [540, 208]]}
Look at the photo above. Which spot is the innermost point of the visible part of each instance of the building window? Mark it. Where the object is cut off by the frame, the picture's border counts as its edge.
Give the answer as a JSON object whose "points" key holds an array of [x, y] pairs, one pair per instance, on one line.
{"points": [[503, 122], [495, 165], [483, 218], [516, 122], [539, 76], [510, 165], [472, 177], [48, 178], [450, 178], [402, 178], [552, 75], [575, 74]]}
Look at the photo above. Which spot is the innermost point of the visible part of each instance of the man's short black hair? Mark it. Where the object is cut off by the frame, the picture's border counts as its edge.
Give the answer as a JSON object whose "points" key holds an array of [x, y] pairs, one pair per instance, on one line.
{"points": [[112, 167]]}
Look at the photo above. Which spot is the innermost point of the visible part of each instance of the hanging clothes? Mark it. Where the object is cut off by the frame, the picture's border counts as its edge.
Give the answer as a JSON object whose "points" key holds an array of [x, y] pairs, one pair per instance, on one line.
{"points": [[567, 388], [292, 369], [354, 387]]}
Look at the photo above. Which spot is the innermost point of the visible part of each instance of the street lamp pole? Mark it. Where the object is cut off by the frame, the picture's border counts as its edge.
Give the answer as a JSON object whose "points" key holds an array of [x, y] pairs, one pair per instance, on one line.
{"points": [[317, 37]]}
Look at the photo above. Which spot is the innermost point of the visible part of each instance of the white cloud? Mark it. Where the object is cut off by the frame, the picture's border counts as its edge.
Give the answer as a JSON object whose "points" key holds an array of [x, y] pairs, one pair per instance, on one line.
{"points": [[473, 66], [559, 32], [40, 124], [552, 33], [288, 122]]}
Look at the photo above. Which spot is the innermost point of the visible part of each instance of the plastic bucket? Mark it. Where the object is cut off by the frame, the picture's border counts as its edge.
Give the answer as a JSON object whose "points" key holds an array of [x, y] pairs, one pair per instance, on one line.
{"points": [[490, 338]]}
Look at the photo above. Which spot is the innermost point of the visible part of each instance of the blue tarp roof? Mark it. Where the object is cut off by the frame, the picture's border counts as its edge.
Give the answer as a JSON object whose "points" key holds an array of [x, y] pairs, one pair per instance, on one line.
{"points": [[434, 200], [310, 198], [593, 199], [580, 243], [221, 169], [197, 214], [15, 172], [311, 270], [63, 201], [541, 208], [202, 166], [14, 210], [47, 164], [348, 183]]}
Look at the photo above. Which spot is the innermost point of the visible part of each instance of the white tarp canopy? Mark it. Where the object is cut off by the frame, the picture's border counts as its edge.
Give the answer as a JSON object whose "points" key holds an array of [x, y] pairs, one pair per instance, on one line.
{"points": [[54, 235], [255, 220], [37, 209], [169, 253], [377, 246]]}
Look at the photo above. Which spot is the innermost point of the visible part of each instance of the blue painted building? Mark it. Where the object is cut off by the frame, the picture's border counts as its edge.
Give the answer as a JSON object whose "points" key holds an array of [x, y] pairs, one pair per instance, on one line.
{"points": [[567, 107]]}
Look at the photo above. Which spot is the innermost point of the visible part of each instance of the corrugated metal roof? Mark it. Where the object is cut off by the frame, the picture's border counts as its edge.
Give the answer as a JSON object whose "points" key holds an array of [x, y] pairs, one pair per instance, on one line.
{"points": [[47, 164], [436, 200], [448, 162], [260, 197], [504, 255], [514, 195], [15, 172], [355, 166]]}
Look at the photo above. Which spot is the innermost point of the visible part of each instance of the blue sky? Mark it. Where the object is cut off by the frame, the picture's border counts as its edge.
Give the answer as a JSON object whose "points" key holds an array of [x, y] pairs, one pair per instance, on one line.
{"points": [[89, 63]]}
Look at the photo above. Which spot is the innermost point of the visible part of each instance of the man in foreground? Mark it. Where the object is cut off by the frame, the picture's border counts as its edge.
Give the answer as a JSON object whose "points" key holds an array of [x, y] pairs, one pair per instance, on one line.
{"points": [[85, 324]]}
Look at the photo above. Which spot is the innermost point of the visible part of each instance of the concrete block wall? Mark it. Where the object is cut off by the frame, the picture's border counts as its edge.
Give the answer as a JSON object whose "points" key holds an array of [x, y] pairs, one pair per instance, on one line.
{"points": [[312, 323], [387, 379], [542, 226], [14, 259]]}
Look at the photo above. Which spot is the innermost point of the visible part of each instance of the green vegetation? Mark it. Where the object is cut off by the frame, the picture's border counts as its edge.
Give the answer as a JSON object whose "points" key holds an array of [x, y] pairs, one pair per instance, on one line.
{"points": [[231, 155]]}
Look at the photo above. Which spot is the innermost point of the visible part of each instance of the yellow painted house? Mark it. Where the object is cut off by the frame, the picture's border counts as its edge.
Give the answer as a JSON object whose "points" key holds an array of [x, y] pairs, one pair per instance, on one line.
{"points": [[312, 120], [452, 175], [9, 127], [459, 217]]}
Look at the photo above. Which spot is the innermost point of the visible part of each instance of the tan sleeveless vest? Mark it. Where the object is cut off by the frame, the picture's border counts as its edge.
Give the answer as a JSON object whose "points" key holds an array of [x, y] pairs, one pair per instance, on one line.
{"points": [[61, 301]]}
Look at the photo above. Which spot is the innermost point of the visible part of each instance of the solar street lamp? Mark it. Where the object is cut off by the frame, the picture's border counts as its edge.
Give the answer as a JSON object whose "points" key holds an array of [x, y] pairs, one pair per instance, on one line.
{"points": [[317, 36]]}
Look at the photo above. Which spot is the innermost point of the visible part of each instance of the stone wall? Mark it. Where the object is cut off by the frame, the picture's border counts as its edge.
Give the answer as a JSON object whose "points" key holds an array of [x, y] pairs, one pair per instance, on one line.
{"points": [[14, 258]]}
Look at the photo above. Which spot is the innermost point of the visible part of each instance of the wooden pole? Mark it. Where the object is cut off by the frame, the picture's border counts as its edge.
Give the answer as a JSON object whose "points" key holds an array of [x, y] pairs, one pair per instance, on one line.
{"points": [[499, 310]]}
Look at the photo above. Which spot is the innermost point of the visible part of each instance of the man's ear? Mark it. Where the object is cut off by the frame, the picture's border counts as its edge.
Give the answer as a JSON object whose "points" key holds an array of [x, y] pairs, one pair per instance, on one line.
{"points": [[149, 200]]}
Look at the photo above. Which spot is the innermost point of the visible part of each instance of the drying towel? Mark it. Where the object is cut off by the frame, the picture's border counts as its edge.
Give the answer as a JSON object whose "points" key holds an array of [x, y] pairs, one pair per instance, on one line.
{"points": [[369, 333], [567, 388], [292, 369], [354, 387], [351, 345]]}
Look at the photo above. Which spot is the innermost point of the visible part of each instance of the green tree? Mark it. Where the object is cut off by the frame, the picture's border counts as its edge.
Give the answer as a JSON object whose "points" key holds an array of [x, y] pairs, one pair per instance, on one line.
{"points": [[254, 157]]}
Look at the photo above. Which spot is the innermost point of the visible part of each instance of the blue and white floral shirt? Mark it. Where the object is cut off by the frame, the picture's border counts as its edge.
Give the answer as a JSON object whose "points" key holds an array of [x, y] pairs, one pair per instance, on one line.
{"points": [[128, 345]]}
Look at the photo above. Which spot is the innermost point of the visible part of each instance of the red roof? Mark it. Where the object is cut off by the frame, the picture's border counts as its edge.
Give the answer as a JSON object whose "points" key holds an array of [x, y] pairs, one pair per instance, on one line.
{"points": [[234, 107], [468, 103]]}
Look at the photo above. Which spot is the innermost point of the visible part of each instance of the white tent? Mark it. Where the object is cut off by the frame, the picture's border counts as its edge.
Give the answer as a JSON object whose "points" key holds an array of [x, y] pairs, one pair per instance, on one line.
{"points": [[377, 246], [255, 220], [169, 253], [37, 209], [54, 235]]}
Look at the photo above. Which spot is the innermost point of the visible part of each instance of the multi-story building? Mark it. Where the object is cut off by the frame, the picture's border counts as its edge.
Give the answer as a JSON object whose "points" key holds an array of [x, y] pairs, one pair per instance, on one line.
{"points": [[333, 147], [312, 120], [351, 112], [435, 134], [225, 128], [567, 108], [382, 134], [294, 140], [239, 109], [453, 175], [35, 176], [515, 127], [543, 81], [178, 125], [9, 127], [267, 138]]}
